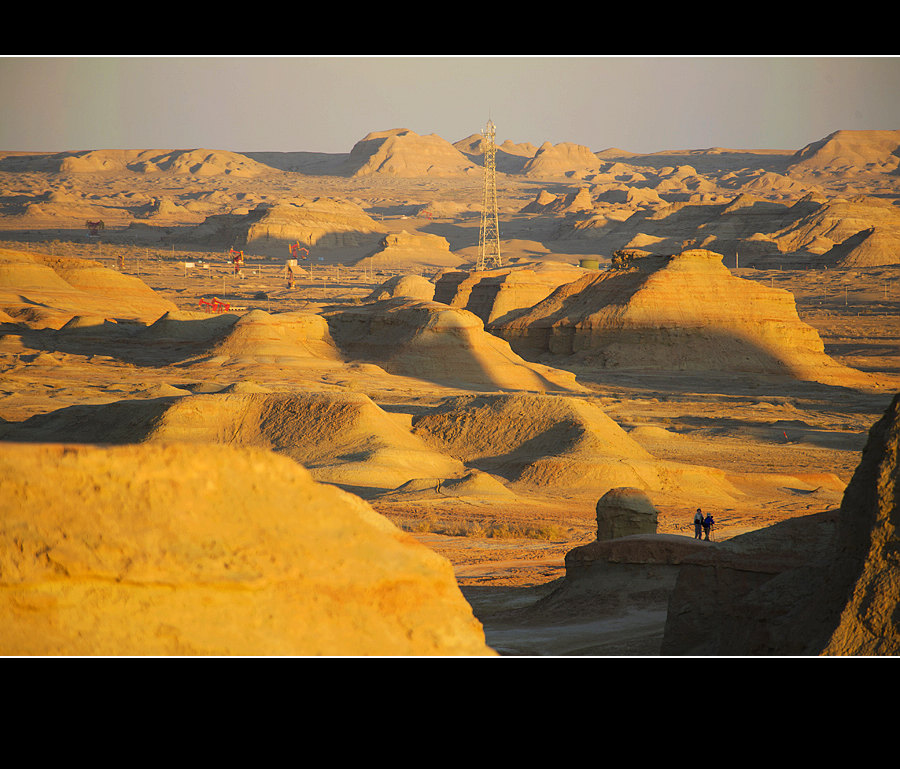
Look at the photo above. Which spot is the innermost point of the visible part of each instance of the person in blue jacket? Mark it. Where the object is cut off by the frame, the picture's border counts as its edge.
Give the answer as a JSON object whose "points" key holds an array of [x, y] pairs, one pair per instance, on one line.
{"points": [[708, 523]]}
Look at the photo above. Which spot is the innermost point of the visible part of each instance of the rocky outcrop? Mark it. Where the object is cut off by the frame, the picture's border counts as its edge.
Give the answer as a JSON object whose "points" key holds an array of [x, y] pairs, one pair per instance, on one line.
{"points": [[557, 442], [401, 152], [562, 160], [622, 512], [197, 162], [637, 549], [572, 202], [261, 337], [61, 288], [684, 312], [873, 247], [412, 286], [868, 543], [621, 583], [852, 232], [844, 150], [321, 222], [405, 251], [432, 341], [822, 584], [171, 550], [496, 295], [340, 438], [727, 600]]}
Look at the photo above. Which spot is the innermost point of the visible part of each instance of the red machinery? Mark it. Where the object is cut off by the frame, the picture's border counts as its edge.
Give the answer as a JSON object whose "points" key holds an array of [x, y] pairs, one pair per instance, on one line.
{"points": [[296, 248], [215, 305], [237, 258]]}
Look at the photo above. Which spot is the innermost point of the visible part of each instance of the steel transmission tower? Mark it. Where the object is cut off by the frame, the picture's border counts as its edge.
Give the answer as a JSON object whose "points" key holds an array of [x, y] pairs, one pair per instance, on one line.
{"points": [[489, 237]]}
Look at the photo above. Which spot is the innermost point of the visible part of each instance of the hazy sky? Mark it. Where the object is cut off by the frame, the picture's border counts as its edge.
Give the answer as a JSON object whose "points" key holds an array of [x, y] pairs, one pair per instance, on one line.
{"points": [[327, 104]]}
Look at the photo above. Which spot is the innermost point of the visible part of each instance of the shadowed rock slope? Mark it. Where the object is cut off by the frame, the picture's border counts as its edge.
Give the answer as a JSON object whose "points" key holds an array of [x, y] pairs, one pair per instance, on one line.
{"points": [[432, 341], [557, 442], [341, 438], [497, 295], [48, 291], [825, 584]]}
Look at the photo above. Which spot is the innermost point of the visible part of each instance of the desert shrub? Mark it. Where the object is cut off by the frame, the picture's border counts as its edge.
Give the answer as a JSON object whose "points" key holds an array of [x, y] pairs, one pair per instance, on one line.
{"points": [[481, 529]]}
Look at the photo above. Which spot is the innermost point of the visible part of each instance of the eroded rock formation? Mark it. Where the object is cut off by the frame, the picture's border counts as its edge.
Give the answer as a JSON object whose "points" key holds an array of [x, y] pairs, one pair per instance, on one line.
{"points": [[625, 511], [496, 295], [404, 250], [672, 313], [209, 550], [432, 341]]}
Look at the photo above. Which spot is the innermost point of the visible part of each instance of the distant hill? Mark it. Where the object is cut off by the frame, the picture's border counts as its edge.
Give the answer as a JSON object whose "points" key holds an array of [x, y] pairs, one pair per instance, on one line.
{"points": [[196, 162], [865, 150], [400, 152]]}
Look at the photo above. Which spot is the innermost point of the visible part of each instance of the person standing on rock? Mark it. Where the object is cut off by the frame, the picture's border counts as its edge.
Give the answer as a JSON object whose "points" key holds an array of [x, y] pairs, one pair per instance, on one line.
{"points": [[698, 522], [708, 523]]}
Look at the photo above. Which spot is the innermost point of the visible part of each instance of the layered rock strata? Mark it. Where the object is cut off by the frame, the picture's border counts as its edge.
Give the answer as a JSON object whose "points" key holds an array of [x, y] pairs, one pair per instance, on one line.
{"points": [[432, 341]]}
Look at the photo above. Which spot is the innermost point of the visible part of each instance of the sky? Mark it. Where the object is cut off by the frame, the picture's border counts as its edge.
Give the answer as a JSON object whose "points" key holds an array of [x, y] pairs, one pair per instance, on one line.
{"points": [[328, 103]]}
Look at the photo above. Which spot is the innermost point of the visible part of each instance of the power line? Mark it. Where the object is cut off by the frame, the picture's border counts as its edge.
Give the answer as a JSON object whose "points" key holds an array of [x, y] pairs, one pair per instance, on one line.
{"points": [[489, 236]]}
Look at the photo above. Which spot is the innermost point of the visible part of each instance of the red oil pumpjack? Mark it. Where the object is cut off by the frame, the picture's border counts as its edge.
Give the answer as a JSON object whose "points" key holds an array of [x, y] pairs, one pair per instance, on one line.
{"points": [[214, 305], [237, 259], [295, 249]]}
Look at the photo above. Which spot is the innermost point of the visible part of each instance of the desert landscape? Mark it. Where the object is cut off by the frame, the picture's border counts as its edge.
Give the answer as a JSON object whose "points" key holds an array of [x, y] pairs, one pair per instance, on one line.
{"points": [[265, 404]]}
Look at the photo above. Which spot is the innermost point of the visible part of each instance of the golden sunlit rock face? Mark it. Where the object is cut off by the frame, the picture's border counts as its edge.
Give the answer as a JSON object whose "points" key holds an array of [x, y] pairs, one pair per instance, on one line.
{"points": [[209, 550], [868, 544]]}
